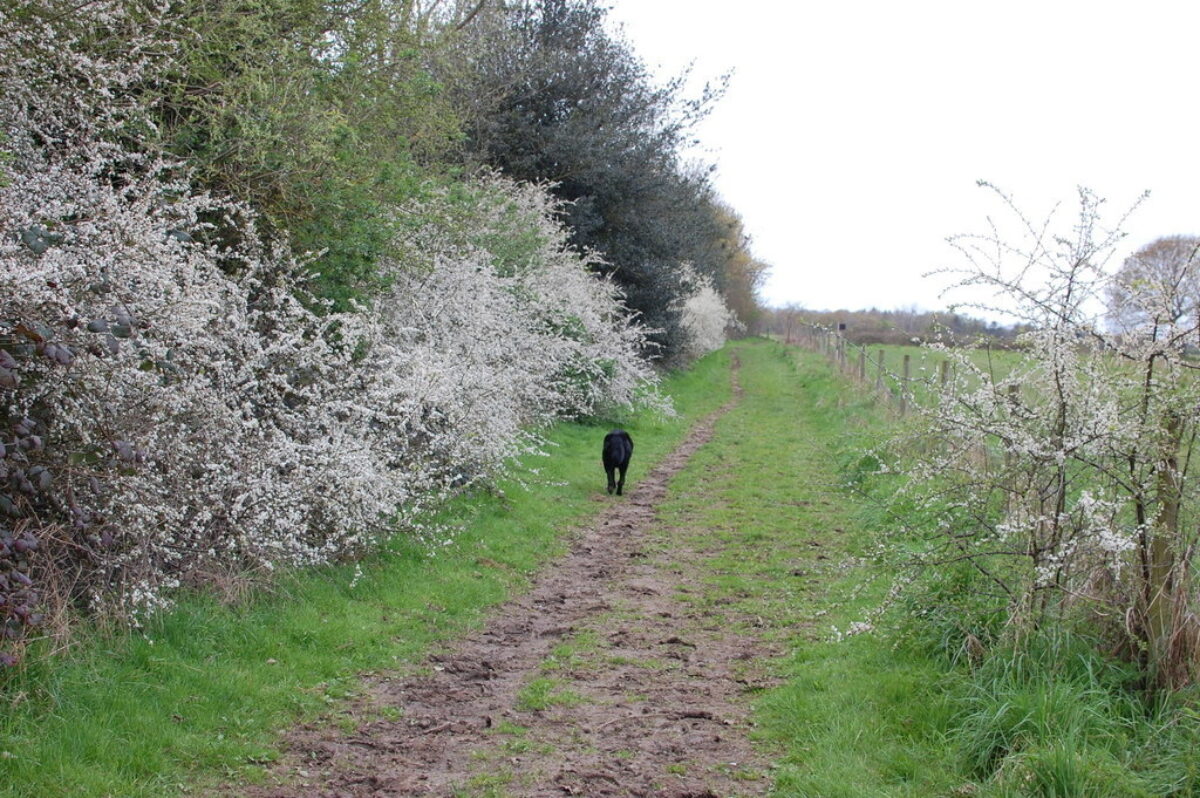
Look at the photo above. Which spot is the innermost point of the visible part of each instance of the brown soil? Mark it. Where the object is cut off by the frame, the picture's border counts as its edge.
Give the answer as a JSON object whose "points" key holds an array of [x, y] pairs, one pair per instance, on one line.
{"points": [[602, 680]]}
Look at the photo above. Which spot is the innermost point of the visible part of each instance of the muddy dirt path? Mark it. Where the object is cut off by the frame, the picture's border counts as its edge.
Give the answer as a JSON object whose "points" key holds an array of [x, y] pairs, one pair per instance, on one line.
{"points": [[602, 680]]}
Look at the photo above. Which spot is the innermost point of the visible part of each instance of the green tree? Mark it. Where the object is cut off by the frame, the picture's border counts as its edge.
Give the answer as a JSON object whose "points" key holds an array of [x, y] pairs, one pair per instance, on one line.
{"points": [[324, 116], [549, 94]]}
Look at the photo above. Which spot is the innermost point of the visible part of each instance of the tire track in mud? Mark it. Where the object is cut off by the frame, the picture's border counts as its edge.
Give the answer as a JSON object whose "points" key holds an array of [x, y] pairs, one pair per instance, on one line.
{"points": [[606, 678]]}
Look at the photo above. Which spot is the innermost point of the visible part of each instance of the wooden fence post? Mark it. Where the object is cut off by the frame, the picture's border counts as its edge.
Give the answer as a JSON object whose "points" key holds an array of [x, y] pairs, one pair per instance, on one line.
{"points": [[904, 385], [879, 374], [862, 364]]}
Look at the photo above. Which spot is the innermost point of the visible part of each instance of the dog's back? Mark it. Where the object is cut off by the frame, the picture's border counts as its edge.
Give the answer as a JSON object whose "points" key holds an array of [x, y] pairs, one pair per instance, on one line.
{"points": [[618, 449]]}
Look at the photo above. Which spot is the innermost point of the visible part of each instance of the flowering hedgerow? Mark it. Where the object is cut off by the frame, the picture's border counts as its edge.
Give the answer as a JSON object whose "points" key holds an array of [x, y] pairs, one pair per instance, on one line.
{"points": [[172, 401]]}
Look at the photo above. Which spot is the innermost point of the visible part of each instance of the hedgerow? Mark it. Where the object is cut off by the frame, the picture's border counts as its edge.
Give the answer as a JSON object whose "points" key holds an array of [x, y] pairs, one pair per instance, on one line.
{"points": [[174, 402]]}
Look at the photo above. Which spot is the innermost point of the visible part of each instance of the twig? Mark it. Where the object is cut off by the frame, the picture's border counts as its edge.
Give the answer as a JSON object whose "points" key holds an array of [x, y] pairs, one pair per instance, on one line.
{"points": [[701, 714]]}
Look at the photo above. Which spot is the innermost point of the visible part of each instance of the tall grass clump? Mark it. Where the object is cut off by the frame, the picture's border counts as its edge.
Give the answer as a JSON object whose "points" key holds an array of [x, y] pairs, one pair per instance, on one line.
{"points": [[1056, 718]]}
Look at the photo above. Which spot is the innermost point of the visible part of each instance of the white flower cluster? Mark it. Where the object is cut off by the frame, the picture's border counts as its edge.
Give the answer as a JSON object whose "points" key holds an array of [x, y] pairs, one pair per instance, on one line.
{"points": [[706, 317]]}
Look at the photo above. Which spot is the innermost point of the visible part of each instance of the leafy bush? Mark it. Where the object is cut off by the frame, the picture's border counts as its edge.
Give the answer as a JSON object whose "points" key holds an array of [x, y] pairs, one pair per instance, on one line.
{"points": [[315, 114]]}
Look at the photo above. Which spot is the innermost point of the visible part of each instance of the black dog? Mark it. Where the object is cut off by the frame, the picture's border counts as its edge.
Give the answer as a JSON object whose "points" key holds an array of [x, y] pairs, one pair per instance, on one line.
{"points": [[618, 448]]}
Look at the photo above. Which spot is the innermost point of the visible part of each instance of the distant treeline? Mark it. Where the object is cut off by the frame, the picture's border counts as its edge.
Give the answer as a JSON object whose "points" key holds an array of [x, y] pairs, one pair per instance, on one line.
{"points": [[876, 326]]}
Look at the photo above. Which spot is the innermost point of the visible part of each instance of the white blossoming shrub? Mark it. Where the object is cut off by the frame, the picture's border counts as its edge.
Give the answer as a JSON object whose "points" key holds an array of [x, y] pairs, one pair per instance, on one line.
{"points": [[171, 401], [706, 317], [196, 416], [558, 336], [178, 414], [1053, 481]]}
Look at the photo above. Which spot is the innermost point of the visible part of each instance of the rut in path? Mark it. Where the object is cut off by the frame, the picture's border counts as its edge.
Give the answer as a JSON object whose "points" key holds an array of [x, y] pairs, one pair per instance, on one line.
{"points": [[603, 680]]}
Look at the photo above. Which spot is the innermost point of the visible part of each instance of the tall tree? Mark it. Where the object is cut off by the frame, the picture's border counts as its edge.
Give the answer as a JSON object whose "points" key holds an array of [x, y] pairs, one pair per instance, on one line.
{"points": [[742, 275], [550, 94], [1158, 286]]}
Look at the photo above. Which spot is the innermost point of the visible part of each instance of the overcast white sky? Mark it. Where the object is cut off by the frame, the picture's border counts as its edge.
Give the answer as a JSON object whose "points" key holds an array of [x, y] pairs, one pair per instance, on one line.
{"points": [[853, 133]]}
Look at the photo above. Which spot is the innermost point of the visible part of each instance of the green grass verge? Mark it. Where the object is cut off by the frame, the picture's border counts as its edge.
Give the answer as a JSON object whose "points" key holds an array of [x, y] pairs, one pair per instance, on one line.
{"points": [[200, 695], [891, 713], [851, 717], [1054, 717]]}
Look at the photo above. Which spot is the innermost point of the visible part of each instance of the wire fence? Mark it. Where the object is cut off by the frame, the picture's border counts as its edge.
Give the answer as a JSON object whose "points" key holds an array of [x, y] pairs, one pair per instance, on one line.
{"points": [[898, 380]]}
